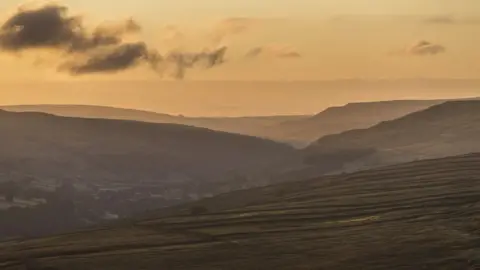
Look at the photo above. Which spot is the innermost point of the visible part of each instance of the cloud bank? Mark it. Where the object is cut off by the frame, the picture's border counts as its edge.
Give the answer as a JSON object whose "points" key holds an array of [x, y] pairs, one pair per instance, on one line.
{"points": [[102, 49]]}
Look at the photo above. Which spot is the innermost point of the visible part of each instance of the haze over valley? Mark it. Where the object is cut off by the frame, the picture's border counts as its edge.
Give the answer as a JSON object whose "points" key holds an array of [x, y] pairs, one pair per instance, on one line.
{"points": [[239, 135]]}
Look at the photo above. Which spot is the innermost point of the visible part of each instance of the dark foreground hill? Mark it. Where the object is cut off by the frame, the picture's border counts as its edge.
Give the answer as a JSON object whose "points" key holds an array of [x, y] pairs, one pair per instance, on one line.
{"points": [[421, 215], [60, 173], [447, 129]]}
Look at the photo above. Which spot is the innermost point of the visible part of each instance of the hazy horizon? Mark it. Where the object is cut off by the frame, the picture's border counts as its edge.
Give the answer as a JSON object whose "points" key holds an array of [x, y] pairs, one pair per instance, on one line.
{"points": [[232, 99], [237, 58], [182, 165]]}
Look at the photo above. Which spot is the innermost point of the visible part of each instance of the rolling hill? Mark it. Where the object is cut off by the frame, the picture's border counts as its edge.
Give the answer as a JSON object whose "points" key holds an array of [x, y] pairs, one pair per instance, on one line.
{"points": [[296, 130], [343, 118], [79, 171], [420, 215], [252, 126], [126, 151], [446, 129]]}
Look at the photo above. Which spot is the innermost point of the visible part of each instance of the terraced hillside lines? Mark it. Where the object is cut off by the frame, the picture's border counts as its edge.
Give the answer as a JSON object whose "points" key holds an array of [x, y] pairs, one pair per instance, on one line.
{"points": [[420, 215]]}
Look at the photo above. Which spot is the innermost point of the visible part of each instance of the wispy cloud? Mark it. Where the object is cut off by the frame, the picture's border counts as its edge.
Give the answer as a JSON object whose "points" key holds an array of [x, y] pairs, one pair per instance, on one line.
{"points": [[421, 48], [425, 48], [230, 27], [451, 20], [273, 50]]}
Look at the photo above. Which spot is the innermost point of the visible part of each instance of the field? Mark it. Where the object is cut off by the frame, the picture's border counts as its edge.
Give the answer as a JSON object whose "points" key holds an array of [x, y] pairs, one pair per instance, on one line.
{"points": [[420, 215]]}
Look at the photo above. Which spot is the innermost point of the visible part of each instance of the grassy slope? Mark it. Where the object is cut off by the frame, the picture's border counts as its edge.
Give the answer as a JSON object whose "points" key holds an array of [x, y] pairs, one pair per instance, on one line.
{"points": [[48, 146], [451, 128], [421, 215], [351, 116]]}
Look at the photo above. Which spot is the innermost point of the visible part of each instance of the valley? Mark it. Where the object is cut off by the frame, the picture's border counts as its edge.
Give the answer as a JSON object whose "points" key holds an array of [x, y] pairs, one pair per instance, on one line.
{"points": [[425, 212], [88, 169]]}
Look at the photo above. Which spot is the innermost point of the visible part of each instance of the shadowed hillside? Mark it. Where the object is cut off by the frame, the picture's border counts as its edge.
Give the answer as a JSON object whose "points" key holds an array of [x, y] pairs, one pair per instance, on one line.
{"points": [[253, 126], [297, 130], [43, 144], [71, 172], [351, 116], [421, 215], [446, 129]]}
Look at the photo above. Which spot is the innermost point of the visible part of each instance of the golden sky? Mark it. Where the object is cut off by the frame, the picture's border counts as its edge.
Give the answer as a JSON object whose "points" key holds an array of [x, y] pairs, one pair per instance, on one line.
{"points": [[328, 39], [335, 38]]}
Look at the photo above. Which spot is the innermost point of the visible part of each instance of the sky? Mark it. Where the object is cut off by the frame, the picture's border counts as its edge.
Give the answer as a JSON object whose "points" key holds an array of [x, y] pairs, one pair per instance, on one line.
{"points": [[269, 40]]}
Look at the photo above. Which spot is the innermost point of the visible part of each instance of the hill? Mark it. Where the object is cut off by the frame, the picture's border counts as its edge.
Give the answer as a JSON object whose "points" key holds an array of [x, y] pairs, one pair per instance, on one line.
{"points": [[252, 126], [296, 130], [74, 144], [351, 116], [420, 215], [450, 128], [121, 167]]}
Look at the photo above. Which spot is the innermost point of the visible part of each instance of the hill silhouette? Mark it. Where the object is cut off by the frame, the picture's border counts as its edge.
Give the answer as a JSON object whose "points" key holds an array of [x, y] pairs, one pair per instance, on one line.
{"points": [[420, 215], [343, 118], [61, 173], [126, 151], [252, 126], [297, 130], [450, 128]]}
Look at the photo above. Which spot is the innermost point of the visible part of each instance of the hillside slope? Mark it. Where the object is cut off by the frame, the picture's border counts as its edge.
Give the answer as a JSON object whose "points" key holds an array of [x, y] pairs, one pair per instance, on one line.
{"points": [[446, 129], [97, 149], [421, 215], [60, 173], [252, 126], [351, 116], [297, 130]]}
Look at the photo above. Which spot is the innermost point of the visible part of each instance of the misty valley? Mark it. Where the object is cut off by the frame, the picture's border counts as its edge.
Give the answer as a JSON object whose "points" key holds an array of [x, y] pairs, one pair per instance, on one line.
{"points": [[92, 170], [60, 173], [238, 135]]}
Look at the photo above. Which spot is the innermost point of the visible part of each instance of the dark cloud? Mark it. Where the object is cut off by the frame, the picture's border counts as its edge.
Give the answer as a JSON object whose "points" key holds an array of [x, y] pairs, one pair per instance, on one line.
{"points": [[183, 61], [426, 48], [120, 58], [130, 55], [273, 50], [99, 50], [51, 27]]}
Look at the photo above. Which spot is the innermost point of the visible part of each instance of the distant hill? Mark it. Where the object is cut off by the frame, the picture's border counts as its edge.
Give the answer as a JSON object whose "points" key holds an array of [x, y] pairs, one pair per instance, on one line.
{"points": [[253, 126], [421, 215], [296, 130], [450, 128], [126, 151], [351, 116]]}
